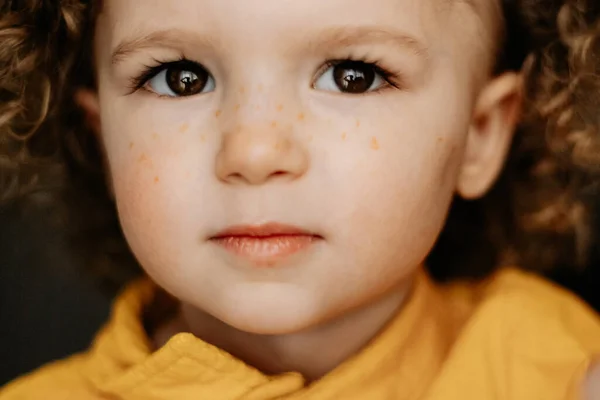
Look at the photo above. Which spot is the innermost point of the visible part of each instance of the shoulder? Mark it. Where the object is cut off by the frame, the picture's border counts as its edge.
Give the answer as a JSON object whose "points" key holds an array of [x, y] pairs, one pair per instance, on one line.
{"points": [[524, 300], [526, 337], [520, 302], [537, 315], [61, 380]]}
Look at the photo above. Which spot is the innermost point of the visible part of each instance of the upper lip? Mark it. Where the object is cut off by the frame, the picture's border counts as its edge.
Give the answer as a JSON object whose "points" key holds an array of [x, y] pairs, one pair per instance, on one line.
{"points": [[262, 230]]}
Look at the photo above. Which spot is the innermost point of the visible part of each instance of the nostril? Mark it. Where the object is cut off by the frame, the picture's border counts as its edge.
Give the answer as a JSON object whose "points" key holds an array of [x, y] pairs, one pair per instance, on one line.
{"points": [[236, 177], [278, 173]]}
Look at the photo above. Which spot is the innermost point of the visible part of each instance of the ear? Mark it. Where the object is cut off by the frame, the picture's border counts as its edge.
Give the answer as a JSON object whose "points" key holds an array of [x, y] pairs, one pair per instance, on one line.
{"points": [[495, 118], [88, 101]]}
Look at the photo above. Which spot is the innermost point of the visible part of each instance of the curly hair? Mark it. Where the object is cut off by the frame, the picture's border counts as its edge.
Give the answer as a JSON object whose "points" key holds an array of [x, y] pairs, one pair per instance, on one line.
{"points": [[48, 154], [560, 155]]}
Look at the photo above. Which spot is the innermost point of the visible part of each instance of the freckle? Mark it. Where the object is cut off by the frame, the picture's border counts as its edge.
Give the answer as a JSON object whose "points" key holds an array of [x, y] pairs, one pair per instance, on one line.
{"points": [[183, 128], [130, 145], [440, 139], [156, 179], [343, 135], [202, 138], [237, 107], [273, 124], [357, 123], [218, 113], [154, 136], [301, 117], [310, 138], [260, 88], [242, 90], [280, 107], [374, 143], [143, 158]]}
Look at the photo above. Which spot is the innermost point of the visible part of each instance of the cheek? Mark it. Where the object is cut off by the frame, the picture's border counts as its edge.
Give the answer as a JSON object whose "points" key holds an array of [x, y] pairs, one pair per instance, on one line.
{"points": [[144, 189], [392, 186], [399, 187], [154, 168], [412, 165]]}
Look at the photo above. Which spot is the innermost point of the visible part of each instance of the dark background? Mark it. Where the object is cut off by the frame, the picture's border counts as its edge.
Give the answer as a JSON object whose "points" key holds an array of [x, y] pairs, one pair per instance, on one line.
{"points": [[49, 308]]}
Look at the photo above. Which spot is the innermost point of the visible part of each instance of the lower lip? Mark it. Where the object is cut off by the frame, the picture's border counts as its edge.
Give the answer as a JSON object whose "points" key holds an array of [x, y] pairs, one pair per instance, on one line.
{"points": [[266, 250]]}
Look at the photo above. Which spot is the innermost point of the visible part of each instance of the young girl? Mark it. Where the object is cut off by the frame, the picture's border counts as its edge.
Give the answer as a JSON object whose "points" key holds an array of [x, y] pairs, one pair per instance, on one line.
{"points": [[281, 171]]}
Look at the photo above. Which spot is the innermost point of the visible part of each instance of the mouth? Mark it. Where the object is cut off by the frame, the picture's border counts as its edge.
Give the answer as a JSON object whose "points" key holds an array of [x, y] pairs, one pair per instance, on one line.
{"points": [[265, 245]]}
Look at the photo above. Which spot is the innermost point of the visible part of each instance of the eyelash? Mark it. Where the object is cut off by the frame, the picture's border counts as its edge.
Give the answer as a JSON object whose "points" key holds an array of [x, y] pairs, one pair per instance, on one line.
{"points": [[150, 71], [392, 79]]}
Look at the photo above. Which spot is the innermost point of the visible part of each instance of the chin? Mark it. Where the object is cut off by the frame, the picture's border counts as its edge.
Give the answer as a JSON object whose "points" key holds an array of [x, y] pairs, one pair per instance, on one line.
{"points": [[270, 311], [271, 326]]}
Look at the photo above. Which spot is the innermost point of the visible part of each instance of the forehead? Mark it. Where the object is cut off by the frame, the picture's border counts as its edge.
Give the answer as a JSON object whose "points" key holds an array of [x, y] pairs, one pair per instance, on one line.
{"points": [[259, 23]]}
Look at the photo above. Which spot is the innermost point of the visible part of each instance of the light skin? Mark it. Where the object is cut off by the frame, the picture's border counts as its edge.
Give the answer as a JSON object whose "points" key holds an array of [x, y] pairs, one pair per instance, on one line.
{"points": [[271, 137], [591, 390]]}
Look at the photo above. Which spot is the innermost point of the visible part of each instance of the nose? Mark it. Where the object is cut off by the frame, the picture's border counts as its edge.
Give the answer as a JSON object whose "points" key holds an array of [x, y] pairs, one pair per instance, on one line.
{"points": [[258, 155]]}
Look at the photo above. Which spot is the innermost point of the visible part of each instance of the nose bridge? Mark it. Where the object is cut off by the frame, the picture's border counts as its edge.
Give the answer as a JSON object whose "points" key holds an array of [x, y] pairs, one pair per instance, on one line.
{"points": [[261, 98], [260, 82]]}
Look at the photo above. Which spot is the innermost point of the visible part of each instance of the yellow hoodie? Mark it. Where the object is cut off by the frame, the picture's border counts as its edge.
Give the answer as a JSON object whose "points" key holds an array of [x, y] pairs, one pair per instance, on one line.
{"points": [[513, 337]]}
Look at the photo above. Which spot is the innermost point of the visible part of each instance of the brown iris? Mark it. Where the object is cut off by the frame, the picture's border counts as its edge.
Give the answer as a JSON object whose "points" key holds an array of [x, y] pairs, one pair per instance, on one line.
{"points": [[185, 82], [354, 76]]}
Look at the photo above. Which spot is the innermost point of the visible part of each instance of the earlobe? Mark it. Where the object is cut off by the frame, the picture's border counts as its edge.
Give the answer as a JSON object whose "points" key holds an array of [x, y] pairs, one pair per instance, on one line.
{"points": [[87, 100], [495, 118]]}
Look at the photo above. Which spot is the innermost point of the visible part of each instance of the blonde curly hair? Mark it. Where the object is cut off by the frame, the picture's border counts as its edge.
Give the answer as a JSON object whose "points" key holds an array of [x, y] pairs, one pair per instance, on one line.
{"points": [[48, 154]]}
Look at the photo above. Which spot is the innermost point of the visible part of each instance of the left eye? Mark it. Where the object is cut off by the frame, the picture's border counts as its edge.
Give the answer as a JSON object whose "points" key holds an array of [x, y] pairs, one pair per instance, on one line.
{"points": [[352, 77]]}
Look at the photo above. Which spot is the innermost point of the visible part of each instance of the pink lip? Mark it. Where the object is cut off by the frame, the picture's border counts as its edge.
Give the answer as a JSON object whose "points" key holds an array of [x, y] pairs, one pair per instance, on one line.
{"points": [[266, 244]]}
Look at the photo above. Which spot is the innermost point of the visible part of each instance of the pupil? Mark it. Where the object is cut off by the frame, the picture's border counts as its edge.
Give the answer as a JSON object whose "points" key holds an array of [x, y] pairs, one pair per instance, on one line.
{"points": [[187, 78], [186, 83], [353, 76]]}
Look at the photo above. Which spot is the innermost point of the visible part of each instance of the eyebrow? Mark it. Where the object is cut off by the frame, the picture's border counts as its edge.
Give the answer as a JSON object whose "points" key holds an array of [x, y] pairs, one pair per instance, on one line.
{"points": [[356, 35], [168, 38], [332, 37]]}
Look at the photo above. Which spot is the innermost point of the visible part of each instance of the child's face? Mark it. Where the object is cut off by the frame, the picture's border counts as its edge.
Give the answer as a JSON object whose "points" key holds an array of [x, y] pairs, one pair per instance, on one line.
{"points": [[367, 158]]}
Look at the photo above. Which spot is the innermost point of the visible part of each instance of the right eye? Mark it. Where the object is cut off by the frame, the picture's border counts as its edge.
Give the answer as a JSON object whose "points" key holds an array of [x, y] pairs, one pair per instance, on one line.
{"points": [[181, 79]]}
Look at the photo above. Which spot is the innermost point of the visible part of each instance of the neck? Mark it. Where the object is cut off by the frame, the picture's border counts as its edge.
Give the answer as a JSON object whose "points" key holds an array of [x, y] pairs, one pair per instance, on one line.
{"points": [[313, 352]]}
